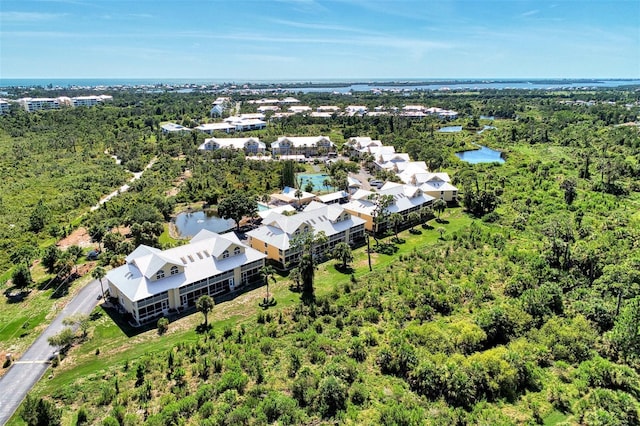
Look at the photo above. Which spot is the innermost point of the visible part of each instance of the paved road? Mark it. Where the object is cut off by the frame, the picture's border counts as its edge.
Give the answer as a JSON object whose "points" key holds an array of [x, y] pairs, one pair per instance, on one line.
{"points": [[27, 370]]}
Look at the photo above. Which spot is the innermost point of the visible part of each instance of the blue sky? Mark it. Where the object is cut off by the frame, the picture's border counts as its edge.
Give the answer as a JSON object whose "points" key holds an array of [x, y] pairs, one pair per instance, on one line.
{"points": [[314, 39]]}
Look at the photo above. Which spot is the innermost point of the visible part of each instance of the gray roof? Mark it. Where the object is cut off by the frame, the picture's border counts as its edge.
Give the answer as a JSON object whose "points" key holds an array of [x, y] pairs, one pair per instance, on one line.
{"points": [[200, 259], [278, 229]]}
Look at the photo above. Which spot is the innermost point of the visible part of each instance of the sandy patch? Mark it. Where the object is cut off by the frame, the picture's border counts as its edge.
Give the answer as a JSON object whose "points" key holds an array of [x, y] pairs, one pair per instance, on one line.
{"points": [[79, 237]]}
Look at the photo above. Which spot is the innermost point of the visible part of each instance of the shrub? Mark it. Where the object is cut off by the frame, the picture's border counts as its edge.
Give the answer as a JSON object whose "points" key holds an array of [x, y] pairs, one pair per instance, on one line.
{"points": [[232, 380], [332, 396], [359, 394], [163, 325], [276, 406]]}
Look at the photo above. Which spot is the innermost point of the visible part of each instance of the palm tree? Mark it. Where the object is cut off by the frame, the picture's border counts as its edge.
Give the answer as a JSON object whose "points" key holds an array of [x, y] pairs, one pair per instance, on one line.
{"points": [[267, 272], [205, 305], [342, 252], [296, 277], [439, 205], [426, 213], [298, 195], [395, 219], [414, 217], [98, 274]]}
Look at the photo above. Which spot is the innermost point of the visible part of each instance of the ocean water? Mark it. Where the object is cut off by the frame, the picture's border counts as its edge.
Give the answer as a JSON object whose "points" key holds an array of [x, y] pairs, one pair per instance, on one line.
{"points": [[341, 85]]}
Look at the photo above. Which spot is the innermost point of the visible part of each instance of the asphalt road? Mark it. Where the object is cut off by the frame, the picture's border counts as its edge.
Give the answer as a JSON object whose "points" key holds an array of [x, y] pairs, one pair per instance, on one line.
{"points": [[26, 371]]}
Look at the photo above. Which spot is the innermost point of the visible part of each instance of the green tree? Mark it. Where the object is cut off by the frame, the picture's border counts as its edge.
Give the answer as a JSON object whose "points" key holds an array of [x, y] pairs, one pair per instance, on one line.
{"points": [[332, 396], [380, 212], [414, 219], [163, 325], [625, 334], [111, 241], [439, 206], [395, 220], [21, 277], [50, 258], [343, 253], [237, 205], [39, 217], [65, 264], [80, 320], [288, 174], [268, 274], [63, 339], [426, 214], [205, 305], [40, 412], [147, 233], [98, 274], [296, 276], [298, 195], [570, 190], [306, 244]]}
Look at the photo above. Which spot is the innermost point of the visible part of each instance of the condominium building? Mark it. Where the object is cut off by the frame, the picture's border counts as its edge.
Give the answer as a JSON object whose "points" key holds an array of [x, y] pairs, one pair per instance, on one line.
{"points": [[277, 232], [154, 282]]}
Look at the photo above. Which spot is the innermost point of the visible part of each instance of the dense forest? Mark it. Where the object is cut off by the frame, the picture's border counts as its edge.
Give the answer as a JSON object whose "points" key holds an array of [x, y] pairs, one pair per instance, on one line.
{"points": [[520, 305]]}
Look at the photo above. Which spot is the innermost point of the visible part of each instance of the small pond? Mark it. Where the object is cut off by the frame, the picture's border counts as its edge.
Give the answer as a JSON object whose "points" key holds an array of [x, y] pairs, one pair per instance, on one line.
{"points": [[450, 129], [482, 155], [189, 224]]}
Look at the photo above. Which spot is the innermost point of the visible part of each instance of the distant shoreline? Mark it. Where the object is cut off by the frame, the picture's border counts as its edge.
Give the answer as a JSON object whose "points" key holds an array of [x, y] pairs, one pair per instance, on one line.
{"points": [[93, 82]]}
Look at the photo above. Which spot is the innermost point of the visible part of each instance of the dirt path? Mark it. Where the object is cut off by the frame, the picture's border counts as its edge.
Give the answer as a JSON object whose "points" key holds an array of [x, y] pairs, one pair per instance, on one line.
{"points": [[125, 187]]}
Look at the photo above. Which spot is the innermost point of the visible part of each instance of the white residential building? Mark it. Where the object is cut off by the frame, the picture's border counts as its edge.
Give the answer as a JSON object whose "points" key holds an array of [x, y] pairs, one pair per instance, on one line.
{"points": [[37, 104], [233, 124], [174, 128], [356, 110], [305, 145], [406, 199], [266, 108], [249, 145], [210, 128], [300, 109], [4, 106], [390, 161], [152, 282], [90, 101], [275, 234], [328, 108]]}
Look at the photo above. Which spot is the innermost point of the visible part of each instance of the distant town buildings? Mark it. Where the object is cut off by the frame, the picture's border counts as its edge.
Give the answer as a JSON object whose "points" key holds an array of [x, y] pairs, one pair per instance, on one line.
{"points": [[38, 104]]}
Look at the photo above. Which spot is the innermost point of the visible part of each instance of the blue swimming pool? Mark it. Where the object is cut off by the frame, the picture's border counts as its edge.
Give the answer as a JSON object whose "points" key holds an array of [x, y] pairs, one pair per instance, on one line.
{"points": [[316, 179]]}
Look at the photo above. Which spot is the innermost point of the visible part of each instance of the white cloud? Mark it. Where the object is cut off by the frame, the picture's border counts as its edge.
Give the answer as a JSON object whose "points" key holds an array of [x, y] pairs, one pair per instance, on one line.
{"points": [[29, 16], [530, 13]]}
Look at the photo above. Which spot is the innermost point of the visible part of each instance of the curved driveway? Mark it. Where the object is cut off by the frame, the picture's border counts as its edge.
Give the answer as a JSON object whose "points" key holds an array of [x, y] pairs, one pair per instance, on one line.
{"points": [[26, 371]]}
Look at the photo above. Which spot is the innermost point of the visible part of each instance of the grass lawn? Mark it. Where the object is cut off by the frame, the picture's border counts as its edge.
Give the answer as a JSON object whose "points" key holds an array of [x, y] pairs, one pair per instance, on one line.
{"points": [[22, 320], [554, 418], [115, 347]]}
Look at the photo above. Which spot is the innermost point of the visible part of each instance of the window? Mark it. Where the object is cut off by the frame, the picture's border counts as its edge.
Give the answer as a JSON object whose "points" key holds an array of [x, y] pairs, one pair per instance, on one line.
{"points": [[236, 251], [159, 274], [174, 270], [225, 254]]}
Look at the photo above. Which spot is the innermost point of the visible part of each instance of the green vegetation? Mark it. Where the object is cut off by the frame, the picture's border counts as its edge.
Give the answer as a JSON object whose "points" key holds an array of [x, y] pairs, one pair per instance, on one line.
{"points": [[518, 307]]}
